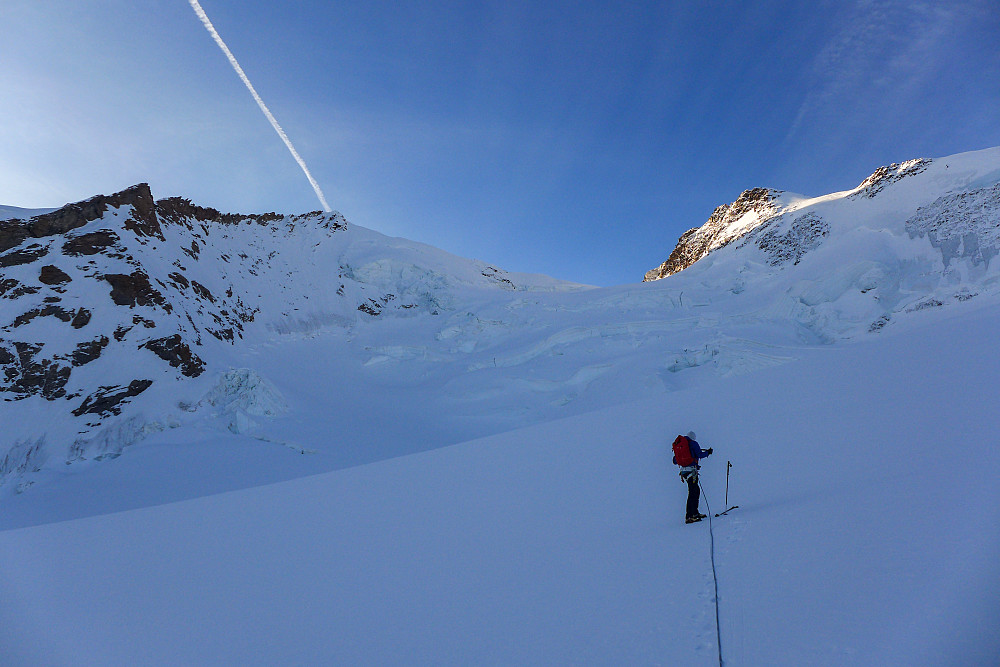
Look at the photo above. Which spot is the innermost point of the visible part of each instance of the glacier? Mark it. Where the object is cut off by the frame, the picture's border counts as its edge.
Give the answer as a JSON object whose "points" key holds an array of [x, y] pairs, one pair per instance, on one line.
{"points": [[354, 448]]}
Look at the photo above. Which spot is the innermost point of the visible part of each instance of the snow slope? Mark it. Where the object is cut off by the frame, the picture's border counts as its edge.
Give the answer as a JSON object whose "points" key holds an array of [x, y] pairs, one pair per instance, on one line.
{"points": [[8, 212], [260, 439], [861, 539], [125, 321]]}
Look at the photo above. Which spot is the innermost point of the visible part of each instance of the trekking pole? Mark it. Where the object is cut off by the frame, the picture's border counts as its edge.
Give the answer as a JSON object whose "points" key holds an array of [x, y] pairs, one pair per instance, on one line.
{"points": [[729, 464]]}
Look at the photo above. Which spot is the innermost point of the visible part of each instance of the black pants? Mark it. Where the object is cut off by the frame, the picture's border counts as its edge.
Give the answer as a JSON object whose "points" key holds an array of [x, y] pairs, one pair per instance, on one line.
{"points": [[694, 495]]}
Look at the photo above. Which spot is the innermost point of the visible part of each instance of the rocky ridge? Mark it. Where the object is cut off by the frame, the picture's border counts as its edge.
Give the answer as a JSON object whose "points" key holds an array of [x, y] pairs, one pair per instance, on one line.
{"points": [[756, 214], [726, 224], [107, 256], [103, 300]]}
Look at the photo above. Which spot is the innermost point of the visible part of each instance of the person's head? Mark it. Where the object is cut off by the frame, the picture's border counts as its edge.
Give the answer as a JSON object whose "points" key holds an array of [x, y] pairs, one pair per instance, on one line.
{"points": [[691, 436]]}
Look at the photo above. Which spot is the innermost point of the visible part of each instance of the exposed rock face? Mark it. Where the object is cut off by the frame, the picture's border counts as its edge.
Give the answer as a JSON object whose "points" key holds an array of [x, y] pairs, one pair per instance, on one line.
{"points": [[53, 275], [48, 310], [89, 351], [726, 224], [135, 289], [12, 289], [80, 319], [178, 210], [108, 400], [28, 375], [176, 352], [25, 256], [90, 244], [884, 176], [496, 275], [72, 216]]}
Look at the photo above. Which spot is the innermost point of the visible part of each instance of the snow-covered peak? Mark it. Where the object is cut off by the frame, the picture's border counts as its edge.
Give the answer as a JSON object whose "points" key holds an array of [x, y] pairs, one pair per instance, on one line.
{"points": [[887, 175], [889, 198]]}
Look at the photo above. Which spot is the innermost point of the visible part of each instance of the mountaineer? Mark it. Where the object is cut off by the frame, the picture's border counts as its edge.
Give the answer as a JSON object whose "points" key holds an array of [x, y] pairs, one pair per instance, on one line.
{"points": [[686, 455]]}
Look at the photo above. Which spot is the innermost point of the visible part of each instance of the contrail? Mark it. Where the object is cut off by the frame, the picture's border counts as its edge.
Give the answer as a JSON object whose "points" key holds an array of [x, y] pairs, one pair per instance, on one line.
{"points": [[263, 107]]}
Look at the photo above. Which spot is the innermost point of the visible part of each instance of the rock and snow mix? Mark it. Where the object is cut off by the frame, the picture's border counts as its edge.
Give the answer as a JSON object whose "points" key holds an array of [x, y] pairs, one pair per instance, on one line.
{"points": [[167, 352]]}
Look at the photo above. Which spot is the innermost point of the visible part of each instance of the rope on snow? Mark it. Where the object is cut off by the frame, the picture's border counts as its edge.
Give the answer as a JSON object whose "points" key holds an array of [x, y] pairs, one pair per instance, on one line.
{"points": [[715, 577]]}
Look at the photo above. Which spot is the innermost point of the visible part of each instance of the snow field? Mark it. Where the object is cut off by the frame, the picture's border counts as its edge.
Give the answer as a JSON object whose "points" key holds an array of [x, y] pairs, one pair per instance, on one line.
{"points": [[866, 535]]}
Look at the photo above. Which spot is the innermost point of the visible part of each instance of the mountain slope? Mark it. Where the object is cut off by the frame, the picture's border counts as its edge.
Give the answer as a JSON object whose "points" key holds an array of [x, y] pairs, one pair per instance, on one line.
{"points": [[226, 439], [123, 317], [858, 541], [915, 197], [118, 305]]}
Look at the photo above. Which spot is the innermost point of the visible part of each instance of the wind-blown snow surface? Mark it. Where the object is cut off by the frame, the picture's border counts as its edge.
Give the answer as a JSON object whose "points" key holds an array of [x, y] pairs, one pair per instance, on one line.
{"points": [[7, 212], [866, 535], [842, 354]]}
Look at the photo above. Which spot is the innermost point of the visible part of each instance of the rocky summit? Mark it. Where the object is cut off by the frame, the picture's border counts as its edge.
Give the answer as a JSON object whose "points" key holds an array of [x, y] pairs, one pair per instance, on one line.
{"points": [[786, 226]]}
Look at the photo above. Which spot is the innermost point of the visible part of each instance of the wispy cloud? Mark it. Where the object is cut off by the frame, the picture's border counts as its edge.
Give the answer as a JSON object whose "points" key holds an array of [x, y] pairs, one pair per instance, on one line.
{"points": [[263, 107], [882, 49]]}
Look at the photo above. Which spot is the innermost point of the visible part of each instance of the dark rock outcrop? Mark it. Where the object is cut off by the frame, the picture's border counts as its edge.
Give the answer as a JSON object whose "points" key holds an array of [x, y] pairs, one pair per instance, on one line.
{"points": [[805, 233], [53, 275], [716, 232], [81, 318], [25, 256], [90, 244], [176, 352], [107, 400], [29, 376], [48, 310], [11, 289], [178, 210], [89, 351], [887, 175], [134, 289], [371, 307], [73, 216], [202, 291]]}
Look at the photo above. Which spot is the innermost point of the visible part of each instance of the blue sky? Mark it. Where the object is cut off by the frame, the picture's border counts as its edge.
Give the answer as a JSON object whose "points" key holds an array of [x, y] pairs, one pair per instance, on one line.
{"points": [[578, 139]]}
